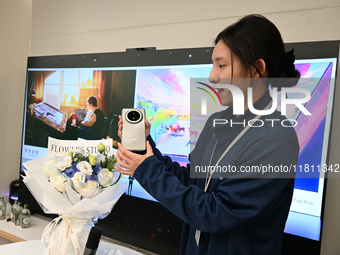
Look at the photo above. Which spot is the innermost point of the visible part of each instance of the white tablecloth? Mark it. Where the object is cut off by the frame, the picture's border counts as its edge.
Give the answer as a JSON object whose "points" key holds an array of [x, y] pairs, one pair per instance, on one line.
{"points": [[36, 247]]}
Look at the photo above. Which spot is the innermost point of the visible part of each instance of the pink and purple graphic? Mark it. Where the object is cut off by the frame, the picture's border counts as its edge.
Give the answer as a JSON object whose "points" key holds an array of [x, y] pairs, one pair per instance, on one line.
{"points": [[316, 77], [164, 93]]}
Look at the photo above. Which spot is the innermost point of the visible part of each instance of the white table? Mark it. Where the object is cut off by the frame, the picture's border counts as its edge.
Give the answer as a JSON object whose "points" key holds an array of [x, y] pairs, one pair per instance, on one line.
{"points": [[36, 247], [17, 234]]}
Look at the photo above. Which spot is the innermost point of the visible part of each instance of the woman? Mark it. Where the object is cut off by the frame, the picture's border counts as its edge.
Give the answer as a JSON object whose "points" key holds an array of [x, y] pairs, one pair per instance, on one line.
{"points": [[233, 213]]}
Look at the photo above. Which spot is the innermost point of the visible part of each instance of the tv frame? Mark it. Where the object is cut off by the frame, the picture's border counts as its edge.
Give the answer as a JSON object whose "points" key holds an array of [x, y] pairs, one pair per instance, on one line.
{"points": [[293, 244], [169, 243]]}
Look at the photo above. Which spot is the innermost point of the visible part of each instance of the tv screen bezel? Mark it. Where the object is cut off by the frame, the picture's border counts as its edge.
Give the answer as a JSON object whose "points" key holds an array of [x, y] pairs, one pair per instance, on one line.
{"points": [[170, 57]]}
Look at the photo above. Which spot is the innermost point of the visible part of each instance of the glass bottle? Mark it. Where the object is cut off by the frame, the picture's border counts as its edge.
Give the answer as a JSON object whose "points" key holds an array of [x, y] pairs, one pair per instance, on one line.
{"points": [[12, 210], [25, 217], [17, 212], [2, 208]]}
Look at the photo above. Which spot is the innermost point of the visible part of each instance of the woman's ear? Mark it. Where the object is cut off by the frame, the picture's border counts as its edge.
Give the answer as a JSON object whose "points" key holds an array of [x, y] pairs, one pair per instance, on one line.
{"points": [[260, 70]]}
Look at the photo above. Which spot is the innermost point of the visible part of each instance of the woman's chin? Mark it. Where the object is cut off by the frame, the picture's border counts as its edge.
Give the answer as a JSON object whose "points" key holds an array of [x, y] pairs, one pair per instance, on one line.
{"points": [[226, 98]]}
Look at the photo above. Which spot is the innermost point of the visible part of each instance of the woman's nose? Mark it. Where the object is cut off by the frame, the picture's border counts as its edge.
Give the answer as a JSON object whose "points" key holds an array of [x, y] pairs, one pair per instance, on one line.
{"points": [[213, 77]]}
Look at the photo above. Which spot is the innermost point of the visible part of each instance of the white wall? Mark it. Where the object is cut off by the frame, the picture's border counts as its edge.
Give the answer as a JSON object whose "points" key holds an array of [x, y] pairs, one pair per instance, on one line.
{"points": [[15, 23], [61, 27], [69, 27]]}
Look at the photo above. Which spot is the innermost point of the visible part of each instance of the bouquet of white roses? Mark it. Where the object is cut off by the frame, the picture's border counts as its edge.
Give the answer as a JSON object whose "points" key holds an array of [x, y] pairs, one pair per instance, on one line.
{"points": [[77, 181]]}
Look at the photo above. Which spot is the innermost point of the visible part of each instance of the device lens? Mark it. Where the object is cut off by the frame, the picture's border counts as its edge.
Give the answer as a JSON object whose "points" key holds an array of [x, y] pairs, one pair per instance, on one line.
{"points": [[133, 116]]}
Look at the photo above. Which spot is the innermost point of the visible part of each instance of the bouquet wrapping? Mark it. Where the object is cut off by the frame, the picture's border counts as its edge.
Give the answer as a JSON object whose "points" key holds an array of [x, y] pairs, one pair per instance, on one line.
{"points": [[77, 181]]}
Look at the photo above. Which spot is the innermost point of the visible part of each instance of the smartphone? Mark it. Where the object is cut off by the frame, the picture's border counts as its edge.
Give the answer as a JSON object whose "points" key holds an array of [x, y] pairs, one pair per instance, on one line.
{"points": [[133, 132]]}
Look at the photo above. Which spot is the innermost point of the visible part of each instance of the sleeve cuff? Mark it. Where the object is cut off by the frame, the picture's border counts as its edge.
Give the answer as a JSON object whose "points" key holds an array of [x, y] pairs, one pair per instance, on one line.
{"points": [[151, 141], [140, 170]]}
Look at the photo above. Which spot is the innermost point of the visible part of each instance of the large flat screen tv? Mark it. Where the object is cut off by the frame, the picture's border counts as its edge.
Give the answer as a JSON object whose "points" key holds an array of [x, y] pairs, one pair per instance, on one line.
{"points": [[159, 82]]}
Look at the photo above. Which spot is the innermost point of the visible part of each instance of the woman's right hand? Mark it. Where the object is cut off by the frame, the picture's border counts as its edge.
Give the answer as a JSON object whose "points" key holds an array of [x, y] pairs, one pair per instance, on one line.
{"points": [[120, 127]]}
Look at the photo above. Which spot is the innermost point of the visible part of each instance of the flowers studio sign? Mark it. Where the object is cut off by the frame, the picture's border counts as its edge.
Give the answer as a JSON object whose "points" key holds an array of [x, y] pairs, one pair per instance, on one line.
{"points": [[54, 146]]}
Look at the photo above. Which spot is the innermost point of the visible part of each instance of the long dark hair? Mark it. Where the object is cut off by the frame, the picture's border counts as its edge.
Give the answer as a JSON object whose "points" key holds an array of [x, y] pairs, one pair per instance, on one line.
{"points": [[255, 37], [92, 100]]}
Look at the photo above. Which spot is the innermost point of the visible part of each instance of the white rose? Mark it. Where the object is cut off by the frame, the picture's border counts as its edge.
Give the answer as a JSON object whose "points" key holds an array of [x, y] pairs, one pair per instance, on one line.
{"points": [[89, 189], [79, 151], [79, 180], [85, 167], [106, 177], [64, 163], [58, 181], [50, 168]]}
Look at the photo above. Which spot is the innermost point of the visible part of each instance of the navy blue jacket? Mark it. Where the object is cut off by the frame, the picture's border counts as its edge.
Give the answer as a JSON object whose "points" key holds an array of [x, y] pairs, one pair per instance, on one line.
{"points": [[241, 213]]}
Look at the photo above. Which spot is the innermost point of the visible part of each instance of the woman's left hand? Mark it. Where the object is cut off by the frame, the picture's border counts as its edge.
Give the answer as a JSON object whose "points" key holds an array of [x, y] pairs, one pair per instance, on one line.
{"points": [[130, 160]]}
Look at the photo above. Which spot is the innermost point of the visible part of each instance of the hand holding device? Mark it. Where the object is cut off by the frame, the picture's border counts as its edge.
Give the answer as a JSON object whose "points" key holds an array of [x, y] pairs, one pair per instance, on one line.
{"points": [[133, 132], [128, 161]]}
